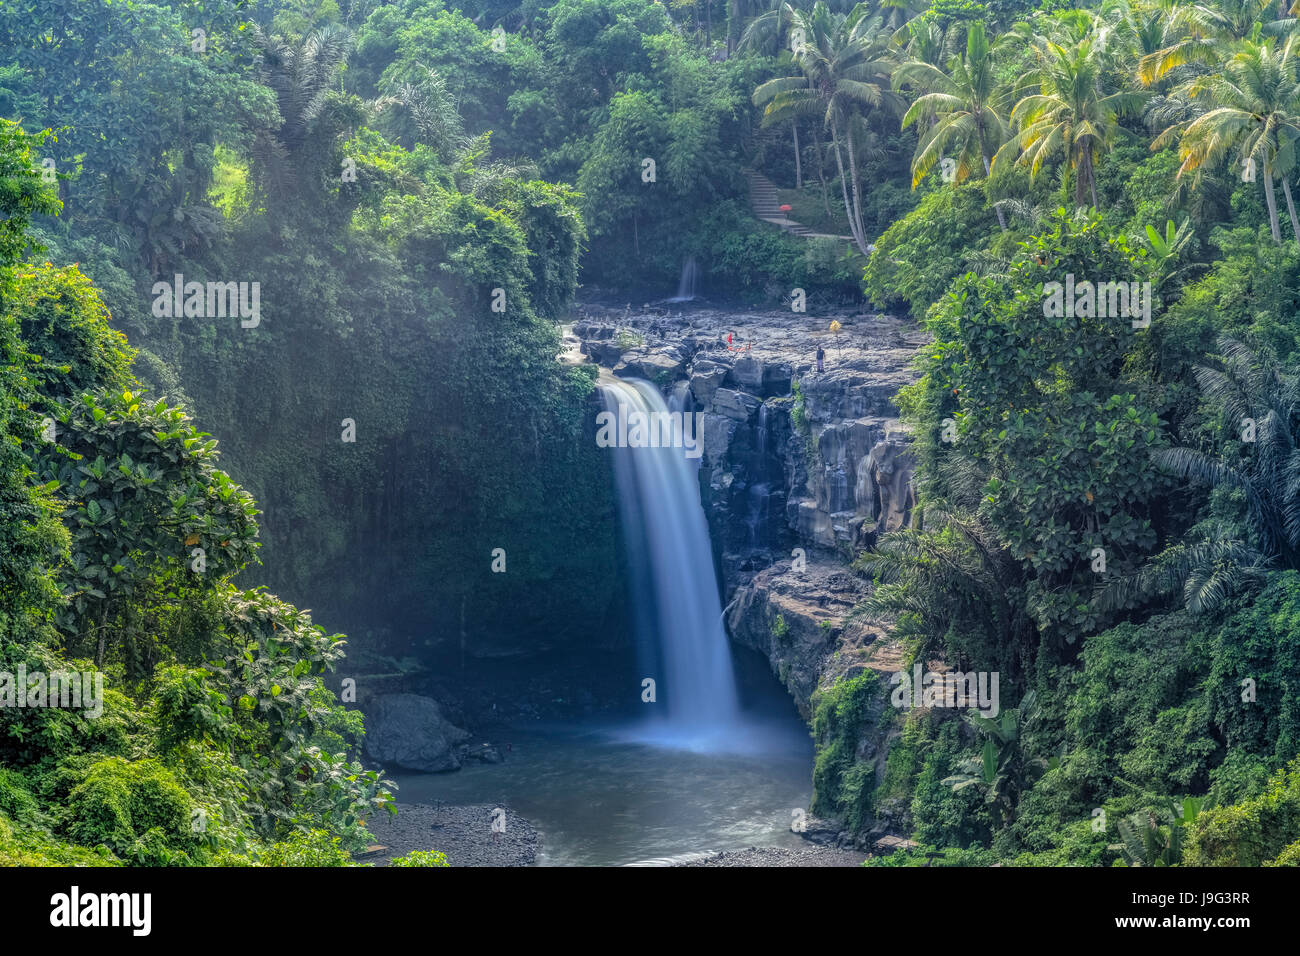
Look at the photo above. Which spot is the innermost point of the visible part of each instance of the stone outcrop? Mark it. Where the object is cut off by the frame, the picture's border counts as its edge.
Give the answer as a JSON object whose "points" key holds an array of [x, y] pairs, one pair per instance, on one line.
{"points": [[795, 614], [410, 732]]}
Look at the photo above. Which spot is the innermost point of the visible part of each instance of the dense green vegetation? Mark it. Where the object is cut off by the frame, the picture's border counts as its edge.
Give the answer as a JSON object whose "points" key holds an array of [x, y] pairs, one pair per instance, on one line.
{"points": [[1106, 515], [419, 187]]}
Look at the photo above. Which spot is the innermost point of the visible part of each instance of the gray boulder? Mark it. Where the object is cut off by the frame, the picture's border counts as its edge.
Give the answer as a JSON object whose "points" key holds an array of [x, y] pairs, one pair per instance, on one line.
{"points": [[409, 731]]}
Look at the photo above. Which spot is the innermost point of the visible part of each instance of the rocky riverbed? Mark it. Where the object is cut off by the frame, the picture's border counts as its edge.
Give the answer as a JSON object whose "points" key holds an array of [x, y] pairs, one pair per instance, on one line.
{"points": [[782, 856], [463, 833]]}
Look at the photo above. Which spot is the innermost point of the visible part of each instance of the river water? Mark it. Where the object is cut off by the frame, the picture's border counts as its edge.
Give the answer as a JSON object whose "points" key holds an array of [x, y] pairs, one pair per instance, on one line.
{"points": [[604, 795]]}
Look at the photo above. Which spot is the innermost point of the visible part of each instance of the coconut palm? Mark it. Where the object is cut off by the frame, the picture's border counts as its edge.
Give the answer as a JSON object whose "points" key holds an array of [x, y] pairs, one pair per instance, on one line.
{"points": [[845, 64], [766, 33], [925, 41], [1205, 33], [1257, 116], [1071, 115], [965, 101]]}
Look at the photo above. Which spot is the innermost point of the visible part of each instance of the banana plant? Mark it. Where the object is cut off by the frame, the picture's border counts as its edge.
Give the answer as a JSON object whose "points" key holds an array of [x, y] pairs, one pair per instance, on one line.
{"points": [[1167, 249], [1155, 837], [1002, 770]]}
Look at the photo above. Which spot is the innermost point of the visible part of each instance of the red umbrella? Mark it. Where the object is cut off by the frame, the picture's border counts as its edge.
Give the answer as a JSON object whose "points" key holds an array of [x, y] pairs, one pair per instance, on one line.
{"points": [[786, 208]]}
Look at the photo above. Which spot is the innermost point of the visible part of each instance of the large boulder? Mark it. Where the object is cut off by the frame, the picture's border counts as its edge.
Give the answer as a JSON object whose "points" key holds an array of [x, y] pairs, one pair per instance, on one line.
{"points": [[409, 731], [706, 376], [735, 405], [662, 366]]}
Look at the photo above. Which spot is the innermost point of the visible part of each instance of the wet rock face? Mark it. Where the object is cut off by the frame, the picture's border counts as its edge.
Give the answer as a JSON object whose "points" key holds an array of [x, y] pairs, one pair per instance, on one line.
{"points": [[826, 467], [795, 613]]}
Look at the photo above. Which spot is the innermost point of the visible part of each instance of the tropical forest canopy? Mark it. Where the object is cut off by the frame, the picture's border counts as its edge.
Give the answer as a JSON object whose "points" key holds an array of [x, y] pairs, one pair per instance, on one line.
{"points": [[420, 190]]}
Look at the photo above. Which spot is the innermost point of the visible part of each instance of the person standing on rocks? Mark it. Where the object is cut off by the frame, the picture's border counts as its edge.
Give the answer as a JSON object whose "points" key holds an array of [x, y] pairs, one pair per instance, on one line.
{"points": [[821, 354]]}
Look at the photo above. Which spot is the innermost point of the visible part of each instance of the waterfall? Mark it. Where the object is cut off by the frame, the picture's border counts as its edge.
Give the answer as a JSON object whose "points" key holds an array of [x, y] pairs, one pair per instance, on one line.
{"points": [[686, 284], [676, 590]]}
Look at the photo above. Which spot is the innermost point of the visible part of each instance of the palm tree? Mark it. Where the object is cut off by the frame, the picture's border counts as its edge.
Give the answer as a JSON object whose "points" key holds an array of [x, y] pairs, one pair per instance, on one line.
{"points": [[845, 64], [1251, 386], [426, 113], [765, 34], [925, 41], [948, 572], [301, 76], [969, 127], [1071, 114], [1261, 400], [1258, 96], [896, 14], [1205, 33], [1155, 837]]}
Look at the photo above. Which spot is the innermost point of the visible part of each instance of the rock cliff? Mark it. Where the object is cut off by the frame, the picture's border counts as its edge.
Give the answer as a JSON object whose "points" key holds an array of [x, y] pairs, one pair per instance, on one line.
{"points": [[801, 469]]}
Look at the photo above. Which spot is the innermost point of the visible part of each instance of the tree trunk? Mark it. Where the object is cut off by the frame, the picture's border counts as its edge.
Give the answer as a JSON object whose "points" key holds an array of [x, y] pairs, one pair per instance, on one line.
{"points": [[1290, 208], [859, 231], [821, 169], [99, 651], [1272, 203], [1002, 219], [798, 164], [844, 189], [1081, 177]]}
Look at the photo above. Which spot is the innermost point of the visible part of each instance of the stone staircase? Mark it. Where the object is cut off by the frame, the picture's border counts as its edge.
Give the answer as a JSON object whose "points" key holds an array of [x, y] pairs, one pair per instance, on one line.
{"points": [[765, 202]]}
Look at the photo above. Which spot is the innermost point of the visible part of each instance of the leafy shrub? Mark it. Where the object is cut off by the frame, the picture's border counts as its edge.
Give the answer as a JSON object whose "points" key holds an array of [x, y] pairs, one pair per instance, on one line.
{"points": [[138, 810], [1259, 643], [1288, 857], [1252, 832], [24, 847], [918, 256], [1137, 708], [16, 801], [310, 848], [421, 858], [843, 785]]}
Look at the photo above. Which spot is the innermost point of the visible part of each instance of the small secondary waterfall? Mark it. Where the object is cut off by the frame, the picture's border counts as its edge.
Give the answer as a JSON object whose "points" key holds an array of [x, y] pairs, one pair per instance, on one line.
{"points": [[686, 284], [676, 599]]}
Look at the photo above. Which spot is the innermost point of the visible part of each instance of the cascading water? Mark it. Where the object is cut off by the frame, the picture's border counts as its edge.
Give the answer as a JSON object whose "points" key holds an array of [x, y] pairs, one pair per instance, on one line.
{"points": [[676, 597], [686, 284]]}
